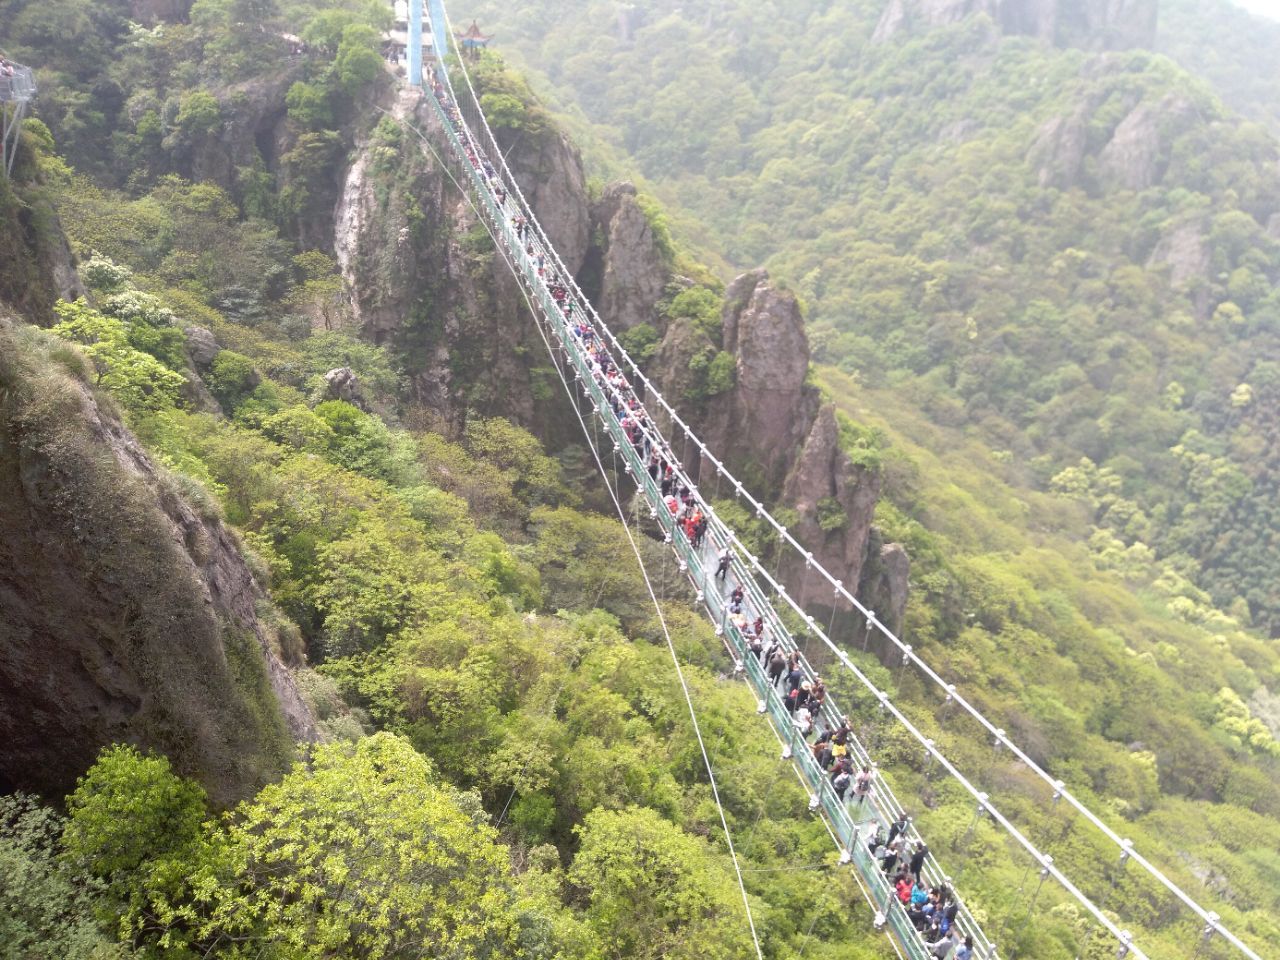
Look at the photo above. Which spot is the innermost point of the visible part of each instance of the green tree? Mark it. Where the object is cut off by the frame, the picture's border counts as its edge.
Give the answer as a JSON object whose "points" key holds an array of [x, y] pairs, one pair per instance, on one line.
{"points": [[654, 891], [47, 904], [361, 853], [138, 379], [357, 62], [232, 378], [129, 810], [309, 105], [199, 115]]}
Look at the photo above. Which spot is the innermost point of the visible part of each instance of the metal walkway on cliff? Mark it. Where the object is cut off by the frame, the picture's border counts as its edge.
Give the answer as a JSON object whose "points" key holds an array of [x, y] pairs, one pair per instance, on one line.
{"points": [[17, 89], [561, 311]]}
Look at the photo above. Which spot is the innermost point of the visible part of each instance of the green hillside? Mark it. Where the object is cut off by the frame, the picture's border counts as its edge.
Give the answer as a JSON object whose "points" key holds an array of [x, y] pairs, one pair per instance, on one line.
{"points": [[1063, 350], [1231, 48], [535, 789], [1073, 254]]}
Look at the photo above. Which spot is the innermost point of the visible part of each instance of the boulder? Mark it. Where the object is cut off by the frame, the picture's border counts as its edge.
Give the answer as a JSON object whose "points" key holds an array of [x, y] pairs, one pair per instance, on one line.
{"points": [[343, 384], [202, 347]]}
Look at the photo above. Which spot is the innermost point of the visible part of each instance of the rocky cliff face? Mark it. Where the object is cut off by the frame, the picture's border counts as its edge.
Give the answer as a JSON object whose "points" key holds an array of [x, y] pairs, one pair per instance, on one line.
{"points": [[38, 266], [630, 273], [1090, 24], [424, 279], [776, 433], [129, 615], [764, 422], [1134, 154]]}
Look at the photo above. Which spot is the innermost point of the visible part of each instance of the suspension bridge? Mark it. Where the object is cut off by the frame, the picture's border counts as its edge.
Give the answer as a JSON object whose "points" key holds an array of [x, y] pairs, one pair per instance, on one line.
{"points": [[17, 89], [624, 409]]}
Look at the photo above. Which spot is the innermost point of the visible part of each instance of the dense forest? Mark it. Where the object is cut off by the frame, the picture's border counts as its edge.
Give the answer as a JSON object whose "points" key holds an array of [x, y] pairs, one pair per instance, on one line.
{"points": [[1040, 285], [1073, 253]]}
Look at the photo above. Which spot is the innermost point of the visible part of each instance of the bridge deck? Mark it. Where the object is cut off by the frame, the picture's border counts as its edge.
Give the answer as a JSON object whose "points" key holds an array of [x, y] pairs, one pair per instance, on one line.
{"points": [[850, 822]]}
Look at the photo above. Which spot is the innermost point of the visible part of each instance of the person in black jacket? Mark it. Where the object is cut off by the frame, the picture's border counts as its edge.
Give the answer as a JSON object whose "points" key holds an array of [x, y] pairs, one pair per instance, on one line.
{"points": [[918, 858]]}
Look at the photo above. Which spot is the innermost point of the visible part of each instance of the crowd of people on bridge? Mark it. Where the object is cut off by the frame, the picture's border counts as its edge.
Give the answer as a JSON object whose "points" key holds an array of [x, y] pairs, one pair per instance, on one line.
{"points": [[932, 910]]}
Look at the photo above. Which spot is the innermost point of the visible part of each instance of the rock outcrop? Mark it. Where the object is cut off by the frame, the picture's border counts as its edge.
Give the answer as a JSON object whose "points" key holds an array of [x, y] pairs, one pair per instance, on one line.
{"points": [[902, 15], [1185, 251], [884, 584], [823, 474], [129, 614], [1132, 155], [202, 347], [632, 273], [38, 266], [777, 435], [1090, 24], [764, 421], [1058, 151], [341, 383], [426, 280], [548, 170]]}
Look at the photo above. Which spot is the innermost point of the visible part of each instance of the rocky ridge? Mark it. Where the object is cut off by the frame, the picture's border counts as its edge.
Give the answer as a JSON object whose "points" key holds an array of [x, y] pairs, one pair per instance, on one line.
{"points": [[778, 433]]}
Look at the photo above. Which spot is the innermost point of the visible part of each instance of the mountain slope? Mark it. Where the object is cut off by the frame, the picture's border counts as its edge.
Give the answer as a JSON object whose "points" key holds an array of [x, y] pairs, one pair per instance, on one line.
{"points": [[448, 585], [128, 615], [1233, 49]]}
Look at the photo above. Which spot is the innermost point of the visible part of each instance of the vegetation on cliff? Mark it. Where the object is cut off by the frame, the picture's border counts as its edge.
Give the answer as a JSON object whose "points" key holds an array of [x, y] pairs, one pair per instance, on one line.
{"points": [[450, 594], [534, 788]]}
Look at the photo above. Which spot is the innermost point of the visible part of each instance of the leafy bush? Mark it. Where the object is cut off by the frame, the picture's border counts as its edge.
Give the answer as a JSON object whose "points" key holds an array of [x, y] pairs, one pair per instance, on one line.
{"points": [[232, 378], [640, 342], [358, 63], [128, 810], [138, 379], [47, 905], [309, 105], [200, 114]]}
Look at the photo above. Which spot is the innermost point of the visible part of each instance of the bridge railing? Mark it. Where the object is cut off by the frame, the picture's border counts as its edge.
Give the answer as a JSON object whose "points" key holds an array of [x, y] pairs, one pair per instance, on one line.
{"points": [[475, 134], [881, 807], [19, 88]]}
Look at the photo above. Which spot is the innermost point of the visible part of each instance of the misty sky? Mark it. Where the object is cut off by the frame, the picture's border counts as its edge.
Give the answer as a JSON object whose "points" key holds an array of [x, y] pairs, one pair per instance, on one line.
{"points": [[1268, 8]]}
